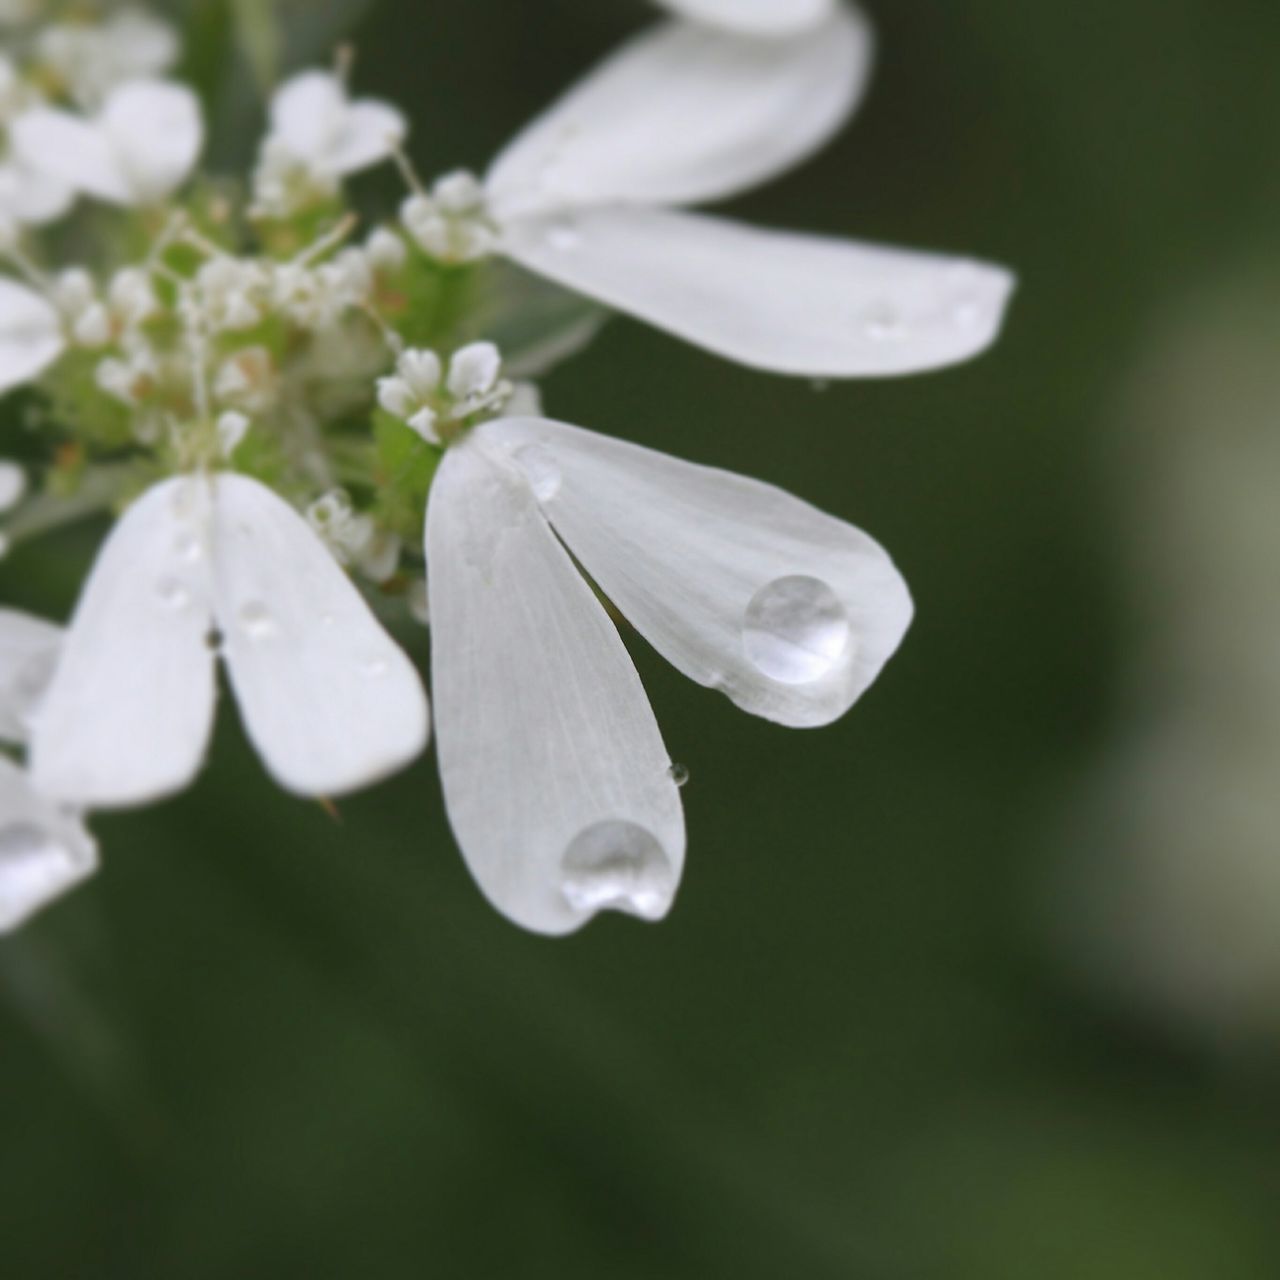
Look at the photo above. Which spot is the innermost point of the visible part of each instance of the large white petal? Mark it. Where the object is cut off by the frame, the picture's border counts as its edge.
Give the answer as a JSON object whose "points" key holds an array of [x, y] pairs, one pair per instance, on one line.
{"points": [[156, 131], [744, 588], [555, 777], [685, 114], [71, 150], [31, 196], [30, 335], [127, 716], [330, 701], [44, 851], [760, 17], [784, 302], [28, 653]]}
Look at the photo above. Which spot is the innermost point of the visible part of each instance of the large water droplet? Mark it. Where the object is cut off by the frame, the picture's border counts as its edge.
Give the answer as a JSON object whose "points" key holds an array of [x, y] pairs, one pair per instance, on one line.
{"points": [[679, 774], [35, 866], [540, 469], [173, 594], [256, 621], [617, 866], [795, 630]]}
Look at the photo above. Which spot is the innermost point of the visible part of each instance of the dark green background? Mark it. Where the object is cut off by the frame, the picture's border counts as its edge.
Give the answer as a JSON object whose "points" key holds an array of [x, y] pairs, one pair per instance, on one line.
{"points": [[263, 1043]]}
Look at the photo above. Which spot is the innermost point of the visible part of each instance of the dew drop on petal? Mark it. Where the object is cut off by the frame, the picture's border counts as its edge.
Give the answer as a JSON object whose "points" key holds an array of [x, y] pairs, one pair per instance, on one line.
{"points": [[883, 323], [967, 313], [35, 866], [256, 621], [187, 546], [563, 237], [795, 630], [540, 470], [375, 668], [172, 594], [617, 866], [679, 774]]}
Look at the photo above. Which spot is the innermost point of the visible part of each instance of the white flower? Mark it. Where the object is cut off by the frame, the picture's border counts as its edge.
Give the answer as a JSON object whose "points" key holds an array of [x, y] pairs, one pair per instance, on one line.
{"points": [[451, 223], [28, 654], [137, 150], [558, 787], [755, 17], [422, 395], [92, 59], [31, 336], [207, 564], [586, 196], [317, 137]]}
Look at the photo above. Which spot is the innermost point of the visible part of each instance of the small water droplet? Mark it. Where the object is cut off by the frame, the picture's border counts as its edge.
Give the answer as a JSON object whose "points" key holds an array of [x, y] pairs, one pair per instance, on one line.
{"points": [[884, 323], [173, 594], [375, 668], [795, 630], [256, 621], [679, 774], [187, 547], [540, 469], [36, 865], [563, 237], [617, 866], [967, 313], [328, 620]]}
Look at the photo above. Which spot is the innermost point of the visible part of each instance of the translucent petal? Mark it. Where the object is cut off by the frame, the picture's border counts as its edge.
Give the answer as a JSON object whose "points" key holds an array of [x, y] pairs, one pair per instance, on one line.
{"points": [[330, 701], [760, 17], [555, 777], [744, 588], [779, 301], [28, 651], [128, 713], [44, 852], [30, 335], [685, 114]]}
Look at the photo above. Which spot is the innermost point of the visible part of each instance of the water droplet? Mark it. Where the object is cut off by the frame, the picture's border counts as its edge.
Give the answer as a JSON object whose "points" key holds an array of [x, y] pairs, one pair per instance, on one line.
{"points": [[256, 621], [617, 866], [35, 866], [328, 620], [884, 323], [540, 469], [173, 594], [967, 313], [563, 237], [187, 547], [679, 774], [375, 668], [796, 630]]}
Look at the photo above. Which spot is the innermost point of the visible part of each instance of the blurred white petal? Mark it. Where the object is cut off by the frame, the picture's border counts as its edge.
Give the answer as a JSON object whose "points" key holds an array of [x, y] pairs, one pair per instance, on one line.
{"points": [[28, 651], [30, 334], [555, 777], [683, 114], [313, 117], [44, 851], [128, 713], [759, 17], [789, 611], [30, 196], [330, 701], [780, 301]]}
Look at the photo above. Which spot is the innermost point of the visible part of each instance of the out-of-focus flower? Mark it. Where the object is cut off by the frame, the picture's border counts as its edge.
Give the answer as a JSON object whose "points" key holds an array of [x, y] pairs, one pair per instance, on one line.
{"points": [[218, 564], [137, 150], [31, 336], [92, 59], [587, 196]]}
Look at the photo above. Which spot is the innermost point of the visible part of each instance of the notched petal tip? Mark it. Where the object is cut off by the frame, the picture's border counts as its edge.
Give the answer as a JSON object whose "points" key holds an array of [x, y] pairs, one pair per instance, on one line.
{"points": [[618, 866]]}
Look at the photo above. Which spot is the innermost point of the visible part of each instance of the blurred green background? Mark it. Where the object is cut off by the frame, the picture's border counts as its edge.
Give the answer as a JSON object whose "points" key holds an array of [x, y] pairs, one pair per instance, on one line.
{"points": [[982, 983]]}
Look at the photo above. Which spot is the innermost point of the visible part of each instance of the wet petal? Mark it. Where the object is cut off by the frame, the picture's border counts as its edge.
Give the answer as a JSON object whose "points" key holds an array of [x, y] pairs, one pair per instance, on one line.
{"points": [[744, 588], [28, 653], [127, 716], [44, 852], [555, 777], [783, 302], [30, 335], [684, 114], [329, 699]]}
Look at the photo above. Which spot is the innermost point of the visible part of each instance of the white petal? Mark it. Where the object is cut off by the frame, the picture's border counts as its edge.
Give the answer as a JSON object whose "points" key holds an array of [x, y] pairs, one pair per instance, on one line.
{"points": [[744, 588], [555, 777], [28, 652], [128, 714], [370, 132], [787, 303], [30, 335], [44, 852], [760, 17], [71, 150], [306, 112], [31, 196], [330, 701], [685, 114], [156, 132]]}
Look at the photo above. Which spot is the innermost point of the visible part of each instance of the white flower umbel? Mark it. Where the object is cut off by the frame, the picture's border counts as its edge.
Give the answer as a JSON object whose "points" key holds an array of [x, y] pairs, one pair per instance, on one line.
{"points": [[207, 564], [137, 150], [558, 787], [92, 59], [318, 136], [45, 850], [31, 336], [755, 17], [585, 196]]}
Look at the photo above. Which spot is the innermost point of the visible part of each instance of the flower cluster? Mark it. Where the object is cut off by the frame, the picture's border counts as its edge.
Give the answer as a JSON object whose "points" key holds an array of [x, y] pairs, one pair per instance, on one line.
{"points": [[316, 433]]}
